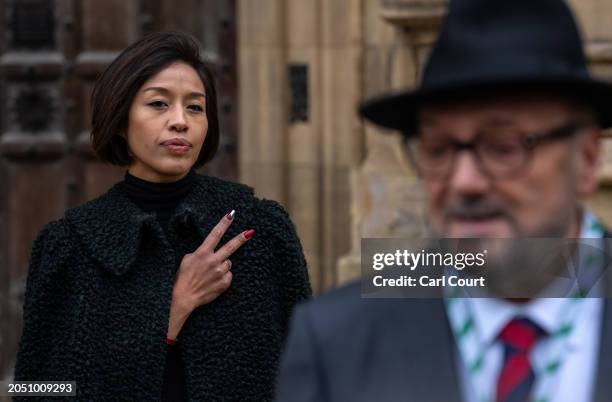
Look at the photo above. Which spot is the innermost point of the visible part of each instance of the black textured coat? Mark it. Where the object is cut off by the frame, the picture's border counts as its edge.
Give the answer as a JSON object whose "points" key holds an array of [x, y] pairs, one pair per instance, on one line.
{"points": [[100, 285]]}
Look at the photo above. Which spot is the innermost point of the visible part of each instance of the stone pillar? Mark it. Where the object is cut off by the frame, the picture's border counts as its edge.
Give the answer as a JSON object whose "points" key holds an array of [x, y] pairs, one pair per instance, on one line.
{"points": [[299, 133], [262, 94], [387, 198]]}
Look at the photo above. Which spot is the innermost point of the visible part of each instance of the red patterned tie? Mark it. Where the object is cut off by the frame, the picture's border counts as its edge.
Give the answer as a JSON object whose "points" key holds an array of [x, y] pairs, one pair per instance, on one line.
{"points": [[516, 377]]}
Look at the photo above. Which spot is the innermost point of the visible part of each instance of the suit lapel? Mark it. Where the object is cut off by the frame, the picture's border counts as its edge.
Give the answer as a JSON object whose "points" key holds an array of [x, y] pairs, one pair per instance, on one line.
{"points": [[448, 376], [430, 351], [603, 388], [603, 384]]}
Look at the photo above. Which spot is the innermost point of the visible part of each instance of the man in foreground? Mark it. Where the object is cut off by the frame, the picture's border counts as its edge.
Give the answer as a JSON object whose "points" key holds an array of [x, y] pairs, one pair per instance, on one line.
{"points": [[504, 130]]}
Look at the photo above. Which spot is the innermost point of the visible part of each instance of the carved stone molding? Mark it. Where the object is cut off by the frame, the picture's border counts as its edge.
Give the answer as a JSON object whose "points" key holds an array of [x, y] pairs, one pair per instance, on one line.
{"points": [[414, 13], [599, 52]]}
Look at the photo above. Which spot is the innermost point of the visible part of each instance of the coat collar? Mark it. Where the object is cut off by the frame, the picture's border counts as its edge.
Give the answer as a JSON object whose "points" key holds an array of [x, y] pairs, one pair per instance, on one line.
{"points": [[111, 227]]}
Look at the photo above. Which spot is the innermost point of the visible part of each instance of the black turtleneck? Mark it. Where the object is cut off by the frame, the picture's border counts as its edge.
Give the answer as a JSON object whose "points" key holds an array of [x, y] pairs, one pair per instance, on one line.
{"points": [[159, 198], [162, 199]]}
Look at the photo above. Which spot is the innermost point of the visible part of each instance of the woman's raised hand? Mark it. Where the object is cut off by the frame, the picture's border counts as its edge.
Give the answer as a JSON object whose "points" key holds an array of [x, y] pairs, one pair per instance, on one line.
{"points": [[204, 274]]}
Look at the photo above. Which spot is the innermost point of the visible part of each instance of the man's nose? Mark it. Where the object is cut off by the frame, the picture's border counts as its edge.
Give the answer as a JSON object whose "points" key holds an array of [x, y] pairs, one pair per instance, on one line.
{"points": [[178, 119], [467, 177]]}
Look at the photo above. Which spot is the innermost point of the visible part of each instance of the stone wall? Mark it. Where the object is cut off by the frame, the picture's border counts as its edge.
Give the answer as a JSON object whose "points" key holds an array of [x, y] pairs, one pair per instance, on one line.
{"points": [[340, 179], [300, 79]]}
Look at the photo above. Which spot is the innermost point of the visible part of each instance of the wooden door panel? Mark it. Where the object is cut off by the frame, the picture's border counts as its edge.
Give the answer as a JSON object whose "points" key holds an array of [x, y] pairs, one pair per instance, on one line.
{"points": [[109, 24]]}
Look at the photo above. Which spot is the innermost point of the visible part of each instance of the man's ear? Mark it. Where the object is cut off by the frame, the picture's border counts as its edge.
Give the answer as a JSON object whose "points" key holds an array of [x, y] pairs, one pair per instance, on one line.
{"points": [[589, 162]]}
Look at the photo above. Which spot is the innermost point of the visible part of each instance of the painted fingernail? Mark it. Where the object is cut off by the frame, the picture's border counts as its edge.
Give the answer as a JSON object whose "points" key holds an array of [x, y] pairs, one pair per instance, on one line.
{"points": [[249, 233], [230, 216]]}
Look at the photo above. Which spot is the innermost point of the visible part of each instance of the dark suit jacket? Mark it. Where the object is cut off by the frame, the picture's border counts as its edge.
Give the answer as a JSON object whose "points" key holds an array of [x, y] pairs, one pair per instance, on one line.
{"points": [[345, 348]]}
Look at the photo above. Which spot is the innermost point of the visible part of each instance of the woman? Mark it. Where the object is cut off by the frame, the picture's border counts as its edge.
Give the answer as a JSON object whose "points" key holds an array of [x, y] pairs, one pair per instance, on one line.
{"points": [[171, 285]]}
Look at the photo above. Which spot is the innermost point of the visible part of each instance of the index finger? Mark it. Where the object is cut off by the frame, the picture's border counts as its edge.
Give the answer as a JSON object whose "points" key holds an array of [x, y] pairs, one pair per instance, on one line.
{"points": [[231, 246], [215, 235]]}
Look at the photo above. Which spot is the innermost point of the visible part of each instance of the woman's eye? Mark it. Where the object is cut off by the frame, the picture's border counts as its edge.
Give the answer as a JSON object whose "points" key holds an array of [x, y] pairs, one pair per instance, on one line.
{"points": [[196, 108], [157, 104]]}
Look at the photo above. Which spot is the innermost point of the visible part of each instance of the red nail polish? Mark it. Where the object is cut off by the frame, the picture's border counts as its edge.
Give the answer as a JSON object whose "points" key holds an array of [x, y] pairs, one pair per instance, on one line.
{"points": [[249, 233], [230, 216]]}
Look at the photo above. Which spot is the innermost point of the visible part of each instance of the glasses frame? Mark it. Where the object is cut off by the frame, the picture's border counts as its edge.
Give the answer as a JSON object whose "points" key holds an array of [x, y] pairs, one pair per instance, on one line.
{"points": [[530, 142]]}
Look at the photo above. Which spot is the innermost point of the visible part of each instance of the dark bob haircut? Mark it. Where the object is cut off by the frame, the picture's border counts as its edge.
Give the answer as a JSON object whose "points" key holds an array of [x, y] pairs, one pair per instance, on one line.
{"points": [[115, 89]]}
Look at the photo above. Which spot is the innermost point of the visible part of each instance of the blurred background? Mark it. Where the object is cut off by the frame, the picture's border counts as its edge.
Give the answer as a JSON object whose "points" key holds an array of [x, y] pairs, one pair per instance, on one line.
{"points": [[290, 74]]}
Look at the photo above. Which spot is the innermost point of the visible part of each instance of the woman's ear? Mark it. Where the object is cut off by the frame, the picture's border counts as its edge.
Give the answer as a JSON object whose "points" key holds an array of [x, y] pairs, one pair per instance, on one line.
{"points": [[123, 135]]}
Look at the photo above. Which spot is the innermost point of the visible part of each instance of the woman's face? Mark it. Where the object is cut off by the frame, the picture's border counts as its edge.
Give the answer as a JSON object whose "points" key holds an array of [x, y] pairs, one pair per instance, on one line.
{"points": [[167, 124]]}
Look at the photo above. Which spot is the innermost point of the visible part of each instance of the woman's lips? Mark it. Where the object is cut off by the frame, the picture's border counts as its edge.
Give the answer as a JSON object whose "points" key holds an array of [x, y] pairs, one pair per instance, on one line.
{"points": [[177, 149], [176, 146]]}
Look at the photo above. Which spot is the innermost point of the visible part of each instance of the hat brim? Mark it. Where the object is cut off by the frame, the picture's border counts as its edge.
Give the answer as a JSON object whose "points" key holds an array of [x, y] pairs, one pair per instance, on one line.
{"points": [[399, 111]]}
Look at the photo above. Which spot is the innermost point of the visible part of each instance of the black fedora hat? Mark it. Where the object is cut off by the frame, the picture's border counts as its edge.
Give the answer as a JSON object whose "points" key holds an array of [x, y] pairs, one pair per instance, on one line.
{"points": [[497, 45]]}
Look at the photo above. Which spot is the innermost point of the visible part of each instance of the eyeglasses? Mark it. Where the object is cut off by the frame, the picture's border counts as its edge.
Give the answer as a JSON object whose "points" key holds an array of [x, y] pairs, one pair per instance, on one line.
{"points": [[501, 153]]}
